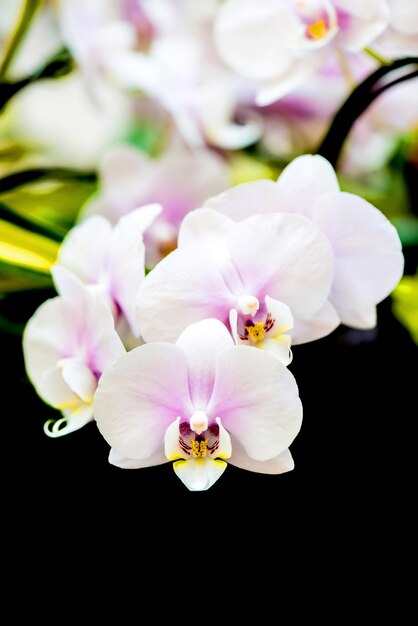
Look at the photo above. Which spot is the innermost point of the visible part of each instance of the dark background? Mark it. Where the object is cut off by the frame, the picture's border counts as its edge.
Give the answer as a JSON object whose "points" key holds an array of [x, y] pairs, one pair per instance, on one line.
{"points": [[354, 455]]}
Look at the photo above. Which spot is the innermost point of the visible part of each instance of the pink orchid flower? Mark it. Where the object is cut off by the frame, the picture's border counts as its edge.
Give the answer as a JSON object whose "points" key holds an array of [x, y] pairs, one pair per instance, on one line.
{"points": [[110, 259], [257, 276], [130, 179], [280, 43], [199, 403], [367, 251], [67, 344]]}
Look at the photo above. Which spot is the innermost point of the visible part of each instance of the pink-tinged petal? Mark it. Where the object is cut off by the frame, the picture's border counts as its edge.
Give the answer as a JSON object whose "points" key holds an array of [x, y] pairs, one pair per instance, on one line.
{"points": [[251, 37], [52, 388], [199, 474], [139, 396], [119, 460], [48, 337], [279, 465], [126, 259], [318, 326], [79, 379], [358, 9], [242, 201], [365, 25], [256, 398], [368, 253], [206, 227], [80, 256], [304, 181], [73, 419], [202, 344], [285, 256], [296, 74], [182, 289], [404, 16]]}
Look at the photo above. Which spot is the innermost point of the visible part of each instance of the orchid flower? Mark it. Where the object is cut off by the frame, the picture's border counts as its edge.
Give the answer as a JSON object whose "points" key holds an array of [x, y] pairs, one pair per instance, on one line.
{"points": [[367, 251], [280, 43], [96, 32], [130, 179], [199, 403], [401, 36], [67, 345], [181, 71], [256, 276], [110, 260]]}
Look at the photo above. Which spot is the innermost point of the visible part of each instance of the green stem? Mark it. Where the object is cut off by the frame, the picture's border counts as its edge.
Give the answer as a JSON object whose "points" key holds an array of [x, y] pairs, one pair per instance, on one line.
{"points": [[25, 18], [374, 55]]}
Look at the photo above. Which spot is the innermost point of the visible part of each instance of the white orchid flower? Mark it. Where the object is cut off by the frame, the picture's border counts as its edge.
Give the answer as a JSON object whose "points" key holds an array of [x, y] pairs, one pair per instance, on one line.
{"points": [[67, 344], [199, 403]]}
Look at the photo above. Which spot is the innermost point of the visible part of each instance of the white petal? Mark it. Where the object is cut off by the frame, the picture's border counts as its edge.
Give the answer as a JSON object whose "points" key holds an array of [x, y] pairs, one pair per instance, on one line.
{"points": [[139, 396], [199, 474], [52, 388], [364, 29], [279, 465], [182, 289], [368, 255], [281, 313], [203, 343], [242, 201], [72, 420], [205, 227], [172, 449], [79, 379], [304, 181], [296, 75], [279, 348], [319, 325], [251, 37], [77, 253], [256, 398], [127, 264], [119, 460], [285, 256]]}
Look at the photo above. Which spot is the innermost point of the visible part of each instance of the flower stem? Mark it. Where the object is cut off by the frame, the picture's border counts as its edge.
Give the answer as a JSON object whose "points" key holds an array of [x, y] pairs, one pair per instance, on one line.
{"points": [[25, 18], [359, 100], [376, 56]]}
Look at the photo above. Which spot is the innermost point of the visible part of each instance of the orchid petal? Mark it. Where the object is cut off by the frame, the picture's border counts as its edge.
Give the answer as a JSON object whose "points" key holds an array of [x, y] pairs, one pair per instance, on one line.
{"points": [[304, 181], [256, 398], [279, 465], [368, 255], [73, 420], [79, 379], [286, 256], [182, 289], [247, 199], [319, 325], [199, 474], [202, 344], [119, 460], [139, 396]]}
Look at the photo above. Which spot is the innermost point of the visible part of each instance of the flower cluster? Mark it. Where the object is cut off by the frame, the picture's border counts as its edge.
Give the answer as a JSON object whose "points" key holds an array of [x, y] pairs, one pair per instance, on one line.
{"points": [[189, 363]]}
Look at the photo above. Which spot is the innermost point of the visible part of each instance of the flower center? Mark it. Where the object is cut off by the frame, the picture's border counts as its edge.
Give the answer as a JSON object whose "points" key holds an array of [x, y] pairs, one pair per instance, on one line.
{"points": [[256, 331], [199, 447], [317, 30]]}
